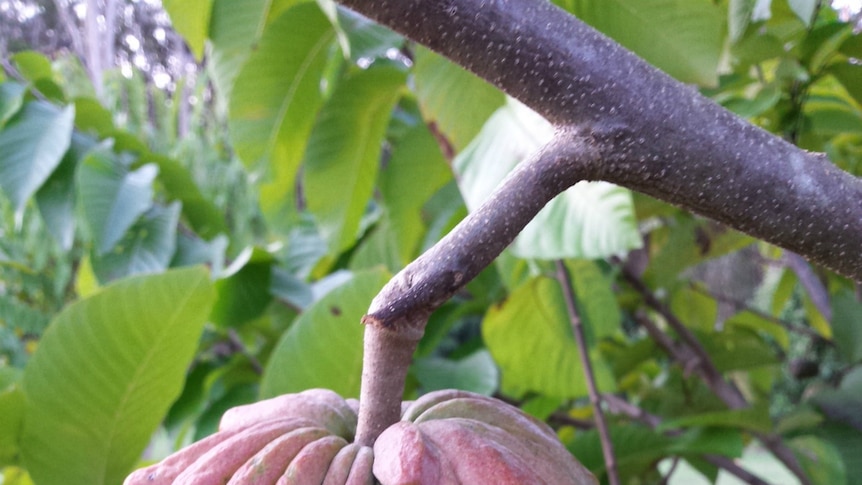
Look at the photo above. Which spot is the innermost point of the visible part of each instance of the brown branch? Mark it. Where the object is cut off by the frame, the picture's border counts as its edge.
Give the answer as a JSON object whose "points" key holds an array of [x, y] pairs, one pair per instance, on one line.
{"points": [[565, 281], [397, 316], [656, 135], [707, 371], [621, 406]]}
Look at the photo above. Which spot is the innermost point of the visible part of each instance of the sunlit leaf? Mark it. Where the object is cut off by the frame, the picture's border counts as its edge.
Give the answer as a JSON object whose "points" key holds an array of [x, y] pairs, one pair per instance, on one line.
{"points": [[530, 338], [323, 348], [33, 65], [105, 374], [454, 101], [275, 100], [590, 220], [191, 19], [682, 37], [340, 166]]}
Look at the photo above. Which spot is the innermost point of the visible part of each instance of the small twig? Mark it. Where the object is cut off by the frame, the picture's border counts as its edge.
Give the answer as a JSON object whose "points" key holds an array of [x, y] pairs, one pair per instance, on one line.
{"points": [[729, 393], [789, 326], [621, 406], [707, 371], [595, 398]]}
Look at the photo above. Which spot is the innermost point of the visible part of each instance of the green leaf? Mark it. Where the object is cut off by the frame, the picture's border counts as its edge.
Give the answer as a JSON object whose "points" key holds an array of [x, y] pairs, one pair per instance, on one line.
{"points": [[752, 419], [416, 171], [105, 374], [323, 348], [56, 197], [804, 9], [92, 117], [366, 38], [244, 294], [147, 247], [113, 197], [453, 100], [681, 37], [234, 28], [191, 19], [341, 163], [32, 144], [590, 220], [694, 308], [848, 442], [33, 66], [849, 75], [737, 349], [11, 100], [475, 373], [12, 406], [531, 340], [275, 102], [204, 217], [820, 459], [738, 17], [842, 404], [847, 326], [595, 300]]}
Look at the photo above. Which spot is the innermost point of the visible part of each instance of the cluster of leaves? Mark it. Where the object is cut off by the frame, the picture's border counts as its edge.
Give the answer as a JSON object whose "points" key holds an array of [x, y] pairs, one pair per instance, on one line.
{"points": [[367, 149]]}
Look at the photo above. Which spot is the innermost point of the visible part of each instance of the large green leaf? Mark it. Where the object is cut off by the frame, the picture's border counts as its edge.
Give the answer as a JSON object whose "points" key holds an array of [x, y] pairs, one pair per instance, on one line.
{"points": [[453, 100], [590, 220], [191, 19], [245, 292], [681, 37], [275, 101], [113, 197], [147, 247], [323, 348], [105, 374], [31, 146], [343, 155], [531, 340]]}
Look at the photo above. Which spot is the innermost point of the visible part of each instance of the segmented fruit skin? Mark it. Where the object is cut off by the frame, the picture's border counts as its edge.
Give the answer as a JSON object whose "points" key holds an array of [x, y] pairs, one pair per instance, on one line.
{"points": [[444, 437]]}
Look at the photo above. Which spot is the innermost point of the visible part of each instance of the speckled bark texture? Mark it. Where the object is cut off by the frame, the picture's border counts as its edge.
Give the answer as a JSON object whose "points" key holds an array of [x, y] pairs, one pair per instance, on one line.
{"points": [[619, 120], [655, 135]]}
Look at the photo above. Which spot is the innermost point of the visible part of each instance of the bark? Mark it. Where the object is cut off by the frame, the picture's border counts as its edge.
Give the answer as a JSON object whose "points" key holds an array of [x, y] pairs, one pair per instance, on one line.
{"points": [[655, 135], [619, 120]]}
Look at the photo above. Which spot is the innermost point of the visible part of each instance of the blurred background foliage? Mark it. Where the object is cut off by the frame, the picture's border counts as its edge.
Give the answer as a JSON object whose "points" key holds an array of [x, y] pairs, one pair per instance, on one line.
{"points": [[303, 155]]}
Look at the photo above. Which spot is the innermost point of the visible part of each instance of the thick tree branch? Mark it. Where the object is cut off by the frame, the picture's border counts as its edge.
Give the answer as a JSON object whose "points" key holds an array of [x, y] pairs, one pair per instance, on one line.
{"points": [[655, 134]]}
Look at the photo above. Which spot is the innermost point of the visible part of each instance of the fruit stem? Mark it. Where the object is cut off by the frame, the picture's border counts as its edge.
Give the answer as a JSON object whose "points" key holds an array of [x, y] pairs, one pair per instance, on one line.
{"points": [[388, 352]]}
